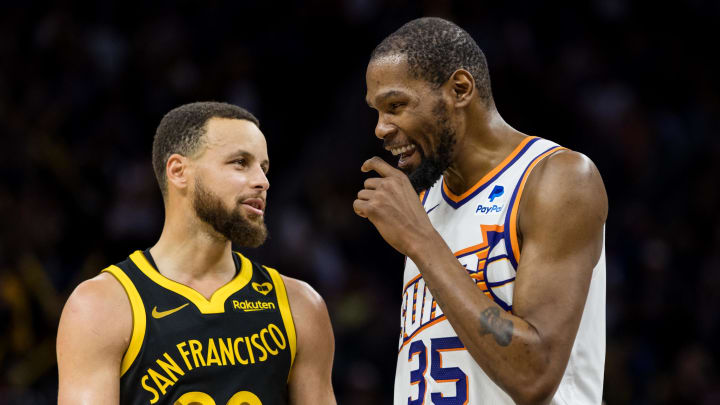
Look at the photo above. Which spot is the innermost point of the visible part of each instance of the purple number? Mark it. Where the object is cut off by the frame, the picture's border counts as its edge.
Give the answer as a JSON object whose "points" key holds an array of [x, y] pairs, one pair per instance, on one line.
{"points": [[449, 374], [418, 376]]}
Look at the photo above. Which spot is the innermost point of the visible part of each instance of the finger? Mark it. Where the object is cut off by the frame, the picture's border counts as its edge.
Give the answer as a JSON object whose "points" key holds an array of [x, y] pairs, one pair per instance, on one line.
{"points": [[359, 206], [365, 195], [372, 183], [382, 167]]}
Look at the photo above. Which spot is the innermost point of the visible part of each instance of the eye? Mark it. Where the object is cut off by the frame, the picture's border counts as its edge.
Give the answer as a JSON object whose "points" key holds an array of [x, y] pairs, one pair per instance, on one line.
{"points": [[239, 162], [395, 106]]}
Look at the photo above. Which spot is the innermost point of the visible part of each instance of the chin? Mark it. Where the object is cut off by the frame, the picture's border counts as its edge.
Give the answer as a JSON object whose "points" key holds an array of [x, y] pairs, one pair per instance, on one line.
{"points": [[408, 170]]}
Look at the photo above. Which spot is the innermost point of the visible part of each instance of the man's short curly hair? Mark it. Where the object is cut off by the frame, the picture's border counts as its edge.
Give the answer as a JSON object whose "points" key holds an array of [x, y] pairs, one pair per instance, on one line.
{"points": [[181, 131], [435, 48]]}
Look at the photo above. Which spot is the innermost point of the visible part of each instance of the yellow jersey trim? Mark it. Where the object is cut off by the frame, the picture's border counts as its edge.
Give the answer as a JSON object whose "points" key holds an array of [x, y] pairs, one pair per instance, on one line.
{"points": [[138, 314], [285, 312], [216, 303]]}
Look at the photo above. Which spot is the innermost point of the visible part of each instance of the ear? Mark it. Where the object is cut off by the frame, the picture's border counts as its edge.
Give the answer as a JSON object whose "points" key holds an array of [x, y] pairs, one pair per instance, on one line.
{"points": [[462, 88], [176, 171]]}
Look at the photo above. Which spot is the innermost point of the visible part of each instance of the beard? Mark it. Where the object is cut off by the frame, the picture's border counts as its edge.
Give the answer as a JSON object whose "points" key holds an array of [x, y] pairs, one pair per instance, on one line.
{"points": [[432, 167], [241, 230]]}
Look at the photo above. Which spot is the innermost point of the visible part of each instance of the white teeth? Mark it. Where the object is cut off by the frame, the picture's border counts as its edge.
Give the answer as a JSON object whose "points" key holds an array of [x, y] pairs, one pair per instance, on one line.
{"points": [[402, 149]]}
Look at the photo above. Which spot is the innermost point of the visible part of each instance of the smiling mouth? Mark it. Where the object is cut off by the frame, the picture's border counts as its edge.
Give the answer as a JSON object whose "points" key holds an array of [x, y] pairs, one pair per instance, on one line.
{"points": [[405, 153], [405, 149]]}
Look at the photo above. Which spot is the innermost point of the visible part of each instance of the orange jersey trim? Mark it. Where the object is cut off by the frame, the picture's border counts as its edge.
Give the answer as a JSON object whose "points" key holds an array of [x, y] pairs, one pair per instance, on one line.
{"points": [[487, 177], [514, 244]]}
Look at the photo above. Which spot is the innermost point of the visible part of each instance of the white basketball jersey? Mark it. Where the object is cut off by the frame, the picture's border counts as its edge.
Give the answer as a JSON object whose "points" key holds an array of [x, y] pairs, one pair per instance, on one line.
{"points": [[479, 226]]}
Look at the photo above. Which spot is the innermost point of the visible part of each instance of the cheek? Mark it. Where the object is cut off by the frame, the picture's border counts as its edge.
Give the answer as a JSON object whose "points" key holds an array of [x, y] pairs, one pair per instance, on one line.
{"points": [[225, 183], [231, 176], [425, 135], [237, 184]]}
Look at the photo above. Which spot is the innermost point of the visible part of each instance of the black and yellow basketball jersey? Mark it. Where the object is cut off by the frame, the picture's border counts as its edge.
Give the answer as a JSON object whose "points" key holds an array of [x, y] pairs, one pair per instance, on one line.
{"points": [[235, 348]]}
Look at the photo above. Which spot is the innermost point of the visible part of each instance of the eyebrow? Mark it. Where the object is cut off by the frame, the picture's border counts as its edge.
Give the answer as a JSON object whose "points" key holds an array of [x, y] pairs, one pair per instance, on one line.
{"points": [[383, 96]]}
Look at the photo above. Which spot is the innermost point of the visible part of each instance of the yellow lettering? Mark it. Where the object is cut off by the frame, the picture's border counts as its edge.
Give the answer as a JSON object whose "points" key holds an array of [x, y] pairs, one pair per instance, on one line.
{"points": [[247, 343], [275, 330], [184, 354], [196, 350], [236, 304], [151, 390], [262, 337], [212, 350], [159, 377], [237, 351], [226, 352], [272, 305], [263, 357], [169, 367]]}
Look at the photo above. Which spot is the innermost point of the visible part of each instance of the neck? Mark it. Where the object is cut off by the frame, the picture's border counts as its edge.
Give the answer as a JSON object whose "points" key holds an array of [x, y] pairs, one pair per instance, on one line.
{"points": [[189, 249], [485, 142]]}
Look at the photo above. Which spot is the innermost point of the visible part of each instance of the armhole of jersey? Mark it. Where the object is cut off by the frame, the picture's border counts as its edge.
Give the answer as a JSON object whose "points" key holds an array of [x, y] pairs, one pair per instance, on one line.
{"points": [[514, 243], [139, 318], [285, 312]]}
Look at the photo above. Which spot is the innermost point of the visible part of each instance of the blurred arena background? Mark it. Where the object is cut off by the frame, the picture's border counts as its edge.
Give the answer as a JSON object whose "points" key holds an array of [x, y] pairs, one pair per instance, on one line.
{"points": [[634, 85]]}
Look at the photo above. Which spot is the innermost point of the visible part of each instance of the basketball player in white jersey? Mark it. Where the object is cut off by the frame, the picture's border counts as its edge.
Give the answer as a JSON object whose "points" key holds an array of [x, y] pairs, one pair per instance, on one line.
{"points": [[504, 284]]}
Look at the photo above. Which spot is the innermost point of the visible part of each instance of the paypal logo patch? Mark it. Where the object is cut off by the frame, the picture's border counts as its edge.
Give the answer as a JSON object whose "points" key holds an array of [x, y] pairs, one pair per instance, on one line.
{"points": [[481, 209], [494, 208], [497, 192]]}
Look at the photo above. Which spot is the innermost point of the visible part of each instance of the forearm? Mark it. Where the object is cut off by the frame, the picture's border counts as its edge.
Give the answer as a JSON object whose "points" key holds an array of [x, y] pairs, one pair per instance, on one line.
{"points": [[508, 348]]}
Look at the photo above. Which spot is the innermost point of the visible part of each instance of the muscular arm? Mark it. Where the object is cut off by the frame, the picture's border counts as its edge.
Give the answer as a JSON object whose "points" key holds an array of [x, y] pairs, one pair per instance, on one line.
{"points": [[525, 352], [311, 375], [93, 335]]}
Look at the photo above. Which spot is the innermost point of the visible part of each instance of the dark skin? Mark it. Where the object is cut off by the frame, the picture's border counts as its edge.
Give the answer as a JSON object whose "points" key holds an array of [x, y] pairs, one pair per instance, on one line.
{"points": [[560, 225]]}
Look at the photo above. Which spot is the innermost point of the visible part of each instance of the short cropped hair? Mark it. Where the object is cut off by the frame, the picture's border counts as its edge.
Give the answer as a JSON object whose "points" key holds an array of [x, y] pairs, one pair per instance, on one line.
{"points": [[182, 131], [435, 48]]}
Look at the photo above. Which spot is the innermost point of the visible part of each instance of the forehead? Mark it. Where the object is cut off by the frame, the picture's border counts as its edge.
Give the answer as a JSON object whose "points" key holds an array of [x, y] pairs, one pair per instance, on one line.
{"points": [[226, 135], [389, 73]]}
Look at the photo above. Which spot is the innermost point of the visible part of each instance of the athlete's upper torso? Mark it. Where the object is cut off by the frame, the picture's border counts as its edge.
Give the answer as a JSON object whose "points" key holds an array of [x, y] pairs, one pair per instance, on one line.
{"points": [[480, 228], [235, 348]]}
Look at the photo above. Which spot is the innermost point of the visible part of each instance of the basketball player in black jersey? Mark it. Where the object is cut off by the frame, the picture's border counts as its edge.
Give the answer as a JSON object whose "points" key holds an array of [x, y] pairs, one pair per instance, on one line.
{"points": [[189, 321]]}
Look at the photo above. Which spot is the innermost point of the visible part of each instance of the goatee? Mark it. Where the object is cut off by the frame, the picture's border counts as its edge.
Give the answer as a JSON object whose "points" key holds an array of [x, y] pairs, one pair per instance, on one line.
{"points": [[432, 167], [241, 230]]}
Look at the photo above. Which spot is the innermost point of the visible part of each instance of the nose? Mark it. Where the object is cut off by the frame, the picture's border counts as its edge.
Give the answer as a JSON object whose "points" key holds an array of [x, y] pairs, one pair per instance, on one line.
{"points": [[259, 180], [384, 128]]}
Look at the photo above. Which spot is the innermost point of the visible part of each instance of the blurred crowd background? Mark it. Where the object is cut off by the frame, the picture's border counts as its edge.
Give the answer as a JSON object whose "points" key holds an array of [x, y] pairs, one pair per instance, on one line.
{"points": [[634, 85]]}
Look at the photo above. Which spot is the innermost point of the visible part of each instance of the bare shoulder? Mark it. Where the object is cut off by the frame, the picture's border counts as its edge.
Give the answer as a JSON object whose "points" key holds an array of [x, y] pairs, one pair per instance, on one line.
{"points": [[93, 335], [310, 379], [303, 298], [310, 316], [97, 310], [567, 180]]}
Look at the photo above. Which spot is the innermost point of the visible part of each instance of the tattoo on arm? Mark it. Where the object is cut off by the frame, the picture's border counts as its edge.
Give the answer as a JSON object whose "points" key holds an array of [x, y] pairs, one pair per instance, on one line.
{"points": [[501, 329]]}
